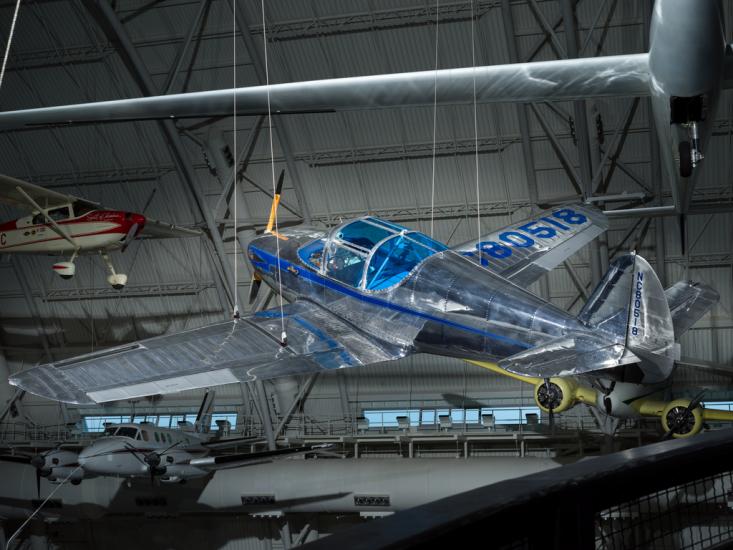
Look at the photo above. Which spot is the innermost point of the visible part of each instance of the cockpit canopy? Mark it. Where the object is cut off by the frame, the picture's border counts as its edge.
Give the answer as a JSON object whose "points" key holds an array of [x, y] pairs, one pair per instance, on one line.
{"points": [[369, 253], [122, 431]]}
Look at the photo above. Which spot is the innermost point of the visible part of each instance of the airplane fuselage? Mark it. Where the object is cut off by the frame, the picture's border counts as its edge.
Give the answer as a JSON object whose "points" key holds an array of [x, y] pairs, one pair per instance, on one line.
{"points": [[447, 305], [92, 231]]}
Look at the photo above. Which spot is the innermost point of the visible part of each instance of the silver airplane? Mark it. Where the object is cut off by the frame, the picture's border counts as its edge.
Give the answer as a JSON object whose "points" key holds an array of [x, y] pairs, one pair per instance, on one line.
{"points": [[370, 291], [688, 63], [132, 450]]}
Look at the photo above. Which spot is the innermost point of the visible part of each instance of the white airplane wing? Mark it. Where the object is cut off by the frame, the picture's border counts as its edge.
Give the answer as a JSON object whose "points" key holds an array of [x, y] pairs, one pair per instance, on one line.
{"points": [[12, 189], [524, 251], [566, 79], [235, 351]]}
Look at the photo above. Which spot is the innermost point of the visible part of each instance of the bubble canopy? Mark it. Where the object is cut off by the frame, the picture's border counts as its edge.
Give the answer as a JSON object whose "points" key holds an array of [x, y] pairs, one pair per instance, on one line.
{"points": [[369, 253]]}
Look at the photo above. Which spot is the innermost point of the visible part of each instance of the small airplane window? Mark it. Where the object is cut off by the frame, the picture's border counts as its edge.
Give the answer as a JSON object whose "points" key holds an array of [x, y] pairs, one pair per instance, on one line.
{"points": [[345, 265], [393, 261], [110, 431], [39, 219], [312, 253], [157, 437], [125, 431], [58, 214], [168, 436], [362, 234], [146, 436]]}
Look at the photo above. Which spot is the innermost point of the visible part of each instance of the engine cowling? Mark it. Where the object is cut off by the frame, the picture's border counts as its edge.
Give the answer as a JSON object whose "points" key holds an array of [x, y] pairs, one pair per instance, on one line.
{"points": [[558, 395], [682, 421]]}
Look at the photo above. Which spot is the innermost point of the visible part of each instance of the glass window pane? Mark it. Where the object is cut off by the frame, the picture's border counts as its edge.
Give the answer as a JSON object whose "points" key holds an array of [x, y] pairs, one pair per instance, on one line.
{"points": [[312, 253], [362, 234], [389, 225], [345, 265], [427, 241], [428, 417], [164, 421], [393, 261]]}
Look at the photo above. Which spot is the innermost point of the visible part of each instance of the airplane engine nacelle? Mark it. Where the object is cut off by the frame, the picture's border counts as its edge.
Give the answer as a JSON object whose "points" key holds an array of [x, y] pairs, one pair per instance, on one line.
{"points": [[59, 474], [175, 473], [65, 270], [685, 423], [559, 395]]}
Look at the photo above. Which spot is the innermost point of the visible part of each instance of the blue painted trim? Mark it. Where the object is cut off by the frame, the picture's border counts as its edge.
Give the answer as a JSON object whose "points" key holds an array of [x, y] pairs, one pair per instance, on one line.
{"points": [[349, 291]]}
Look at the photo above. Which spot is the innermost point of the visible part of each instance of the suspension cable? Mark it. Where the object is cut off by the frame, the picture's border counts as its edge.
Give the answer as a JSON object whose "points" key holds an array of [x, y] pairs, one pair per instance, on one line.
{"points": [[235, 313], [475, 123], [10, 40], [283, 335], [435, 118]]}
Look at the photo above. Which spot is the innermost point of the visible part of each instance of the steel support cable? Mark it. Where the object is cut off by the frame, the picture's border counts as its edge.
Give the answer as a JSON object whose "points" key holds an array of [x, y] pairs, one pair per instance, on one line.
{"points": [[435, 119], [10, 40]]}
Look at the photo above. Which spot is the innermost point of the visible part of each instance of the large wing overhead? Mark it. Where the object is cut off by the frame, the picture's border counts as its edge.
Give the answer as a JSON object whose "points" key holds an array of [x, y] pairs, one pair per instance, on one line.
{"points": [[12, 189], [234, 351], [526, 250], [567, 79]]}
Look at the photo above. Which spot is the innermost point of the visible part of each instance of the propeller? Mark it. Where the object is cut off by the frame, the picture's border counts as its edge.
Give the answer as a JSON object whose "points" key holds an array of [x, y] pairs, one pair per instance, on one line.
{"points": [[129, 237], [151, 460], [275, 202], [550, 408], [680, 419]]}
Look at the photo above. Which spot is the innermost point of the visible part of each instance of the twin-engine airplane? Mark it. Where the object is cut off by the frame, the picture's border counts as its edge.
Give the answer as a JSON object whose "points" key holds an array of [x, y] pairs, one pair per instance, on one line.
{"points": [[64, 224], [145, 450], [370, 291]]}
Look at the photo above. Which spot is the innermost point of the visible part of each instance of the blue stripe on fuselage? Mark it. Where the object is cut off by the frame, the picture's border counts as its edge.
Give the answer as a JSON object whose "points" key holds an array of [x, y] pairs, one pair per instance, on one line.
{"points": [[349, 291]]}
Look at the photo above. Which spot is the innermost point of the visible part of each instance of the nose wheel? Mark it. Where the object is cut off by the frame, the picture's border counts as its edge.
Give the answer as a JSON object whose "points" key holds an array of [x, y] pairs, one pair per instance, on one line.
{"points": [[117, 280]]}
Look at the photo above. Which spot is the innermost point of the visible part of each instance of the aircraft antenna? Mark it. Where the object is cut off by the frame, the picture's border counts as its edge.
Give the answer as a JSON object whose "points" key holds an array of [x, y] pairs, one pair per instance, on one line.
{"points": [[475, 121], [435, 117], [284, 335], [10, 40], [235, 313]]}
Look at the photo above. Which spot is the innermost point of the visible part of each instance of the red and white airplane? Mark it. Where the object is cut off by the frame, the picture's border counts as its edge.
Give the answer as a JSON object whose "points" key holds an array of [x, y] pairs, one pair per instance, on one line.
{"points": [[63, 224]]}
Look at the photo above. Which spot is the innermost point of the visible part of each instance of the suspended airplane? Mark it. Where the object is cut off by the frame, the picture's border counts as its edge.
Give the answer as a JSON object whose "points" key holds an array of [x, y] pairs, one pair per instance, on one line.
{"points": [[688, 63], [370, 291], [64, 224], [145, 450]]}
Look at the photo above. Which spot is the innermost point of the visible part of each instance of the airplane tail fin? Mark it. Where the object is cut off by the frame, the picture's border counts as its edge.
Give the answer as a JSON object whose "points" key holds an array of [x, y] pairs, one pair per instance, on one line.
{"points": [[630, 306], [203, 418], [629, 323]]}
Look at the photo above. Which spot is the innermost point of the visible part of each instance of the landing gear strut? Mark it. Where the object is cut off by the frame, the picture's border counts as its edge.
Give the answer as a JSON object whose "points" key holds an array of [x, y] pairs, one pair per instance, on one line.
{"points": [[117, 280], [690, 155]]}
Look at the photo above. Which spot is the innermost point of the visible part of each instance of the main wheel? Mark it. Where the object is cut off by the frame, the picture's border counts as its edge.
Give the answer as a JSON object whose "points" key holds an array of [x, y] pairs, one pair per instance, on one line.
{"points": [[685, 150]]}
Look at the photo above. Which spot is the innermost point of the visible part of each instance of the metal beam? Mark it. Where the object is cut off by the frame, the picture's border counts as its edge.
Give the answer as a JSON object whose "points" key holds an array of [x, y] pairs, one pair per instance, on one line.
{"points": [[112, 26], [22, 277], [581, 127], [304, 390], [170, 80]]}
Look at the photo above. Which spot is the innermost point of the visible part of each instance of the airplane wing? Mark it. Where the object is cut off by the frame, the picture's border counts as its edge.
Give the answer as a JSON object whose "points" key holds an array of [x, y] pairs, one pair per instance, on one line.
{"points": [[222, 462], [566, 79], [688, 302], [241, 350], [155, 229], [526, 250], [11, 192]]}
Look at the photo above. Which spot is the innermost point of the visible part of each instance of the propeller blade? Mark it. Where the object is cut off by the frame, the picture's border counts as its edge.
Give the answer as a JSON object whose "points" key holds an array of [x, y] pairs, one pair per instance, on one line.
{"points": [[38, 483], [129, 237], [254, 288], [150, 199], [275, 202]]}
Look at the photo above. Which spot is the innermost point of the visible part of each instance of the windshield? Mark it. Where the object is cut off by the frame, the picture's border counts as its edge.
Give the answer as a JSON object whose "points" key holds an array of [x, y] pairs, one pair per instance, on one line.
{"points": [[127, 432], [369, 253]]}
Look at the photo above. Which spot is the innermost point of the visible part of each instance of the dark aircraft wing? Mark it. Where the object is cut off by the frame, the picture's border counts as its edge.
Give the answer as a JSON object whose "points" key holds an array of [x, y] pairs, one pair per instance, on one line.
{"points": [[234, 351], [12, 189], [566, 79], [155, 229], [524, 251], [221, 462]]}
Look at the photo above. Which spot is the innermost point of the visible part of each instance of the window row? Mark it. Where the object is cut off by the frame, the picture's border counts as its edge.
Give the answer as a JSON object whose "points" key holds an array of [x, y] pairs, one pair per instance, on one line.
{"points": [[95, 423], [387, 418]]}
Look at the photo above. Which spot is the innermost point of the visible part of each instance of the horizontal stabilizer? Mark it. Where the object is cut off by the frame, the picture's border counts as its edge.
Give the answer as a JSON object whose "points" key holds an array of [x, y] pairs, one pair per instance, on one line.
{"points": [[688, 302], [569, 356]]}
